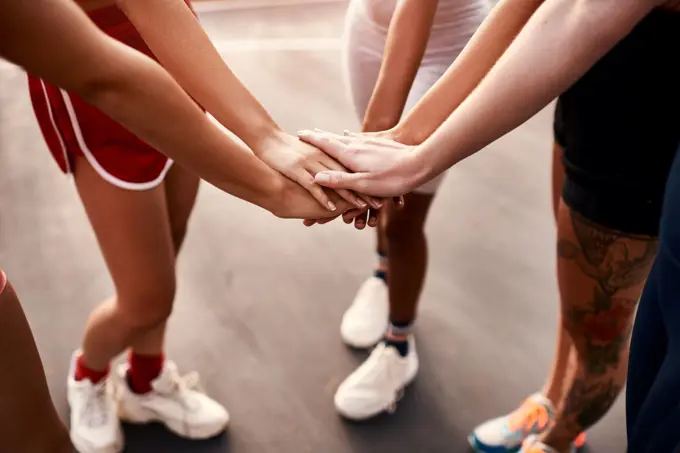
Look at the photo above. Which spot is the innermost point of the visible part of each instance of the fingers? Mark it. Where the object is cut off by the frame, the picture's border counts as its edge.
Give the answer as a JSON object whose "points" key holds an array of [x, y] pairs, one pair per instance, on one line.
{"points": [[341, 180], [359, 200], [308, 222], [361, 220], [329, 144], [307, 181], [373, 217], [369, 138]]}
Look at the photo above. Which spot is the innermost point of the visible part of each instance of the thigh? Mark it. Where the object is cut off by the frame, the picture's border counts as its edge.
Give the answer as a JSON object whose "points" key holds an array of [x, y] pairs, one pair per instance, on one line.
{"points": [[363, 47], [133, 232], [181, 189]]}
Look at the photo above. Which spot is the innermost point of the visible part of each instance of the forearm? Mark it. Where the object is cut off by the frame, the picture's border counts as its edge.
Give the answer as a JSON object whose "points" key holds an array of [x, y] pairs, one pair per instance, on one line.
{"points": [[181, 45], [487, 45], [162, 114], [559, 44], [53, 39], [407, 39]]}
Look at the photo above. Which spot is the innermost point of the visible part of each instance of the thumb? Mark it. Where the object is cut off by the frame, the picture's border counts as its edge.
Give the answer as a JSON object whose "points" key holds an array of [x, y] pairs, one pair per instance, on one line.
{"points": [[341, 180]]}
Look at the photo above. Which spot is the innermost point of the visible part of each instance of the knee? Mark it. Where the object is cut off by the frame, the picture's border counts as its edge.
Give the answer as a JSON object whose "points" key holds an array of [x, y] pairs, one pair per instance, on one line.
{"points": [[149, 306]]}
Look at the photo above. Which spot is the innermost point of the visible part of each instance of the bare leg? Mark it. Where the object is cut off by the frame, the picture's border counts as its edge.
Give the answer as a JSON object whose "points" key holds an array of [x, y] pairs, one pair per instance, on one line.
{"points": [[26, 404], [181, 188], [407, 247], [601, 274], [564, 362], [135, 237]]}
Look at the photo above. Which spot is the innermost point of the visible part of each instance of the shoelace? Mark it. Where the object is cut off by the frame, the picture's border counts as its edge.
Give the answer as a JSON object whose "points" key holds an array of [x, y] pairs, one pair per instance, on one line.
{"points": [[95, 411], [530, 414], [178, 387]]}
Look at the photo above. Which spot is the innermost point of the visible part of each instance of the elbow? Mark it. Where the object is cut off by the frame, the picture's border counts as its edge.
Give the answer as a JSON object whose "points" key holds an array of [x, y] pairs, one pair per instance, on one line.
{"points": [[102, 90]]}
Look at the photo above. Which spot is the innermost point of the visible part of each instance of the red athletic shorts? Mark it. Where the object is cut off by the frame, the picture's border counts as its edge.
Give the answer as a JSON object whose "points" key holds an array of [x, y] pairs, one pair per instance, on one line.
{"points": [[71, 127]]}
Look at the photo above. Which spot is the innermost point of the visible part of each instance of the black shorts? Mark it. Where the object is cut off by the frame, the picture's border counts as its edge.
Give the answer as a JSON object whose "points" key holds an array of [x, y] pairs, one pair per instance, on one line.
{"points": [[619, 126]]}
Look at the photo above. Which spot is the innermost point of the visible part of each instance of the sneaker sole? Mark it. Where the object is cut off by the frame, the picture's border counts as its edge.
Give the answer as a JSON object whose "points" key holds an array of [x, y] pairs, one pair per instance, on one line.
{"points": [[83, 447], [363, 418], [478, 447], [179, 428]]}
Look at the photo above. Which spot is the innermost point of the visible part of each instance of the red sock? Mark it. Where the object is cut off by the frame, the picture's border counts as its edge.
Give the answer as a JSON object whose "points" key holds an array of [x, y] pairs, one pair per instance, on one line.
{"points": [[143, 370], [82, 372]]}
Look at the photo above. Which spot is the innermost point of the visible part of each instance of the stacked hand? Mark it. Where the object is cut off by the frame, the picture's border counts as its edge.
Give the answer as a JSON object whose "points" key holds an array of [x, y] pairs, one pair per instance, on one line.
{"points": [[300, 162], [381, 166]]}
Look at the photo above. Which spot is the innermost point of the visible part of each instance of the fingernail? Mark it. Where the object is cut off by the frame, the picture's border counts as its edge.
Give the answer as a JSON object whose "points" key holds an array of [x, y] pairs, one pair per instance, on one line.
{"points": [[378, 204], [361, 203], [322, 177], [331, 206]]}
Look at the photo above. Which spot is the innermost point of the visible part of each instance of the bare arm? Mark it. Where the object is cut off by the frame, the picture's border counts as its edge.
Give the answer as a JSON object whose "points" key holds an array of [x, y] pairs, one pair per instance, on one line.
{"points": [[54, 39], [492, 38], [179, 42], [561, 41], [407, 39]]}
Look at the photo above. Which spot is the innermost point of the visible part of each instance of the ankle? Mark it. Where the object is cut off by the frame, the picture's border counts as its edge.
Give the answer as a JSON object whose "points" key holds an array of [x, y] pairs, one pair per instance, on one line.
{"points": [[381, 269], [397, 336], [143, 370], [559, 442], [84, 371], [399, 330]]}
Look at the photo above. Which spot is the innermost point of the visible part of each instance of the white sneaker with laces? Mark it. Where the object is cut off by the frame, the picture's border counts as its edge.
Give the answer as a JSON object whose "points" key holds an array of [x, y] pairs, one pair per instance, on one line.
{"points": [[94, 422], [377, 384], [365, 321], [174, 401]]}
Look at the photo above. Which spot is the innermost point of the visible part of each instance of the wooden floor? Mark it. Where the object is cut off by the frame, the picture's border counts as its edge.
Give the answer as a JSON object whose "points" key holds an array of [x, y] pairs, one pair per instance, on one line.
{"points": [[260, 299]]}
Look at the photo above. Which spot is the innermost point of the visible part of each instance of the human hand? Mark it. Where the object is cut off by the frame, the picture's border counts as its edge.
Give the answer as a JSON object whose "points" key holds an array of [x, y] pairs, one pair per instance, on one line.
{"points": [[366, 217], [300, 162], [382, 166], [292, 201]]}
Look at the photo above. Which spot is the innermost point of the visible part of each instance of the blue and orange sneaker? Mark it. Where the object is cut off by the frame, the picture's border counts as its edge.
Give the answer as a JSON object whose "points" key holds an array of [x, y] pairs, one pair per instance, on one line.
{"points": [[506, 434]]}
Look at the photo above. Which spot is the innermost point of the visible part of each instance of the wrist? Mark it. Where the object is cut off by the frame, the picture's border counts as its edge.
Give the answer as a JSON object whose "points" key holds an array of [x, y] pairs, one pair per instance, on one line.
{"points": [[274, 194], [261, 135], [407, 134], [417, 168], [385, 123]]}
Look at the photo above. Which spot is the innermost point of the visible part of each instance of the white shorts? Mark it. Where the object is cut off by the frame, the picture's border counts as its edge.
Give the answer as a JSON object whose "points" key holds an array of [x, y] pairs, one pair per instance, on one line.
{"points": [[365, 37]]}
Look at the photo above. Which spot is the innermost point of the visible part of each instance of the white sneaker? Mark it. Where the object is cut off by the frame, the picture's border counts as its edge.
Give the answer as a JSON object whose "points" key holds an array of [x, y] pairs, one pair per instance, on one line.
{"points": [[175, 402], [365, 321], [378, 384], [94, 422]]}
